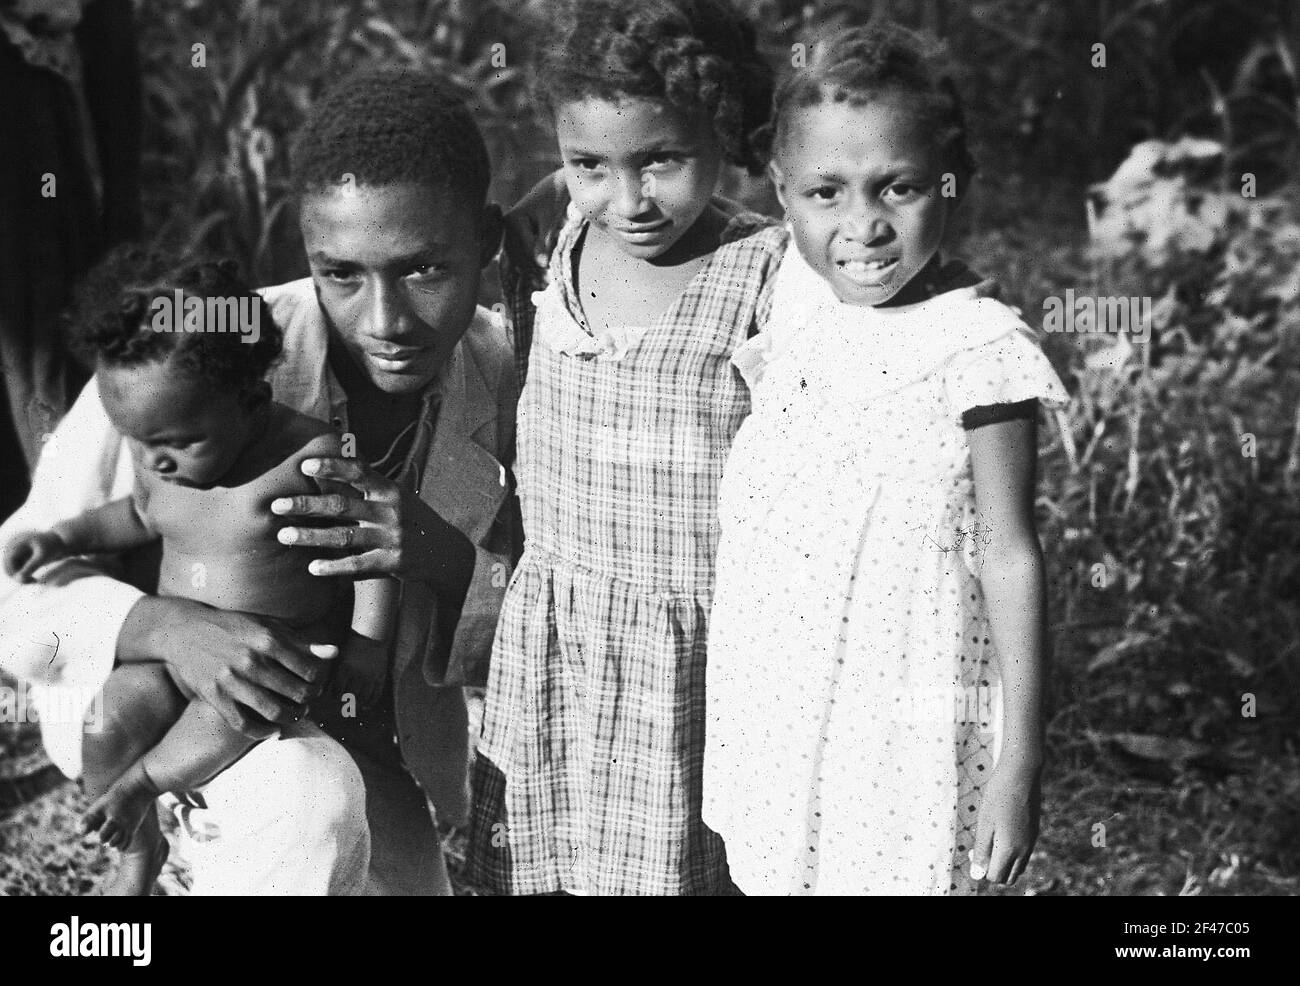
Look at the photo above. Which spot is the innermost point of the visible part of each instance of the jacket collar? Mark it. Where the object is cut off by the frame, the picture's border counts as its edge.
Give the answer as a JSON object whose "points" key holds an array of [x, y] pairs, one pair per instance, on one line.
{"points": [[459, 474], [452, 464]]}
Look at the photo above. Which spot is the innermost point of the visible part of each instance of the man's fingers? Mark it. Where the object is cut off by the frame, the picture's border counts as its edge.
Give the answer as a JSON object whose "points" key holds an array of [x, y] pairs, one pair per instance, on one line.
{"points": [[331, 506], [271, 676], [367, 563], [353, 473], [260, 703], [333, 472], [237, 718], [343, 537], [294, 655]]}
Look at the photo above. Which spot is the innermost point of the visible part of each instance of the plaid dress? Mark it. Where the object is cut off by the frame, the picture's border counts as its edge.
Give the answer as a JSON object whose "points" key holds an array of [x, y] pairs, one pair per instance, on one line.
{"points": [[588, 772]]}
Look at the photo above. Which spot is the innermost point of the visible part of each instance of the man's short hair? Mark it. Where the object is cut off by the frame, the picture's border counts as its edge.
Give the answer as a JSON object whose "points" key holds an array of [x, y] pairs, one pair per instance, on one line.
{"points": [[383, 126]]}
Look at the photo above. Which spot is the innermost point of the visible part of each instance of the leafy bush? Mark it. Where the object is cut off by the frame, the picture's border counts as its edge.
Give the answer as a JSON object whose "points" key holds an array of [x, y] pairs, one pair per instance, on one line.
{"points": [[1169, 507], [217, 166]]}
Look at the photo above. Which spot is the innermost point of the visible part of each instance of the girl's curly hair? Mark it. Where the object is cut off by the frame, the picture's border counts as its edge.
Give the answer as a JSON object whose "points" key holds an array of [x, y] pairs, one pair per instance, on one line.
{"points": [[112, 314], [857, 65], [695, 55]]}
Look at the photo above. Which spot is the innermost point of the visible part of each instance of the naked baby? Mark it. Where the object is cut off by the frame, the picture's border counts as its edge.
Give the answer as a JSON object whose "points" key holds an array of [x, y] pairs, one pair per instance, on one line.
{"points": [[211, 449]]}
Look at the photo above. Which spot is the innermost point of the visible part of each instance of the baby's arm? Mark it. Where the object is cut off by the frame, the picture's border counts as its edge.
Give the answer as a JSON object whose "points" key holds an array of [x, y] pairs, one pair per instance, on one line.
{"points": [[1003, 459], [363, 659], [114, 527], [363, 663]]}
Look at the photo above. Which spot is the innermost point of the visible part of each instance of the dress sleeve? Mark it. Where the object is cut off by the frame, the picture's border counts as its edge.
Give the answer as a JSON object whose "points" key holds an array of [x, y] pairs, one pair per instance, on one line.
{"points": [[1007, 371], [752, 356], [992, 414]]}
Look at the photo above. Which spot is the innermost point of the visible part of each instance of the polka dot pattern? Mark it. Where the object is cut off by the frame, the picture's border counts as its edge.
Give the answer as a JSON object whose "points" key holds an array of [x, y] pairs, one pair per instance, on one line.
{"points": [[853, 689]]}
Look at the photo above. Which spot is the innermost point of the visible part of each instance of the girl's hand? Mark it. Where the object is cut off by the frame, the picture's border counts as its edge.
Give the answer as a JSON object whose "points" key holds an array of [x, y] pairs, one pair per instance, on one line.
{"points": [[1008, 824], [532, 229], [28, 552]]}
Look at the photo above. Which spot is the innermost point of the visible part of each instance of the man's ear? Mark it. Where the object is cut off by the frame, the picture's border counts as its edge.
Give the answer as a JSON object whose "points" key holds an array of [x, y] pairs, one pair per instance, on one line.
{"points": [[778, 182], [492, 226]]}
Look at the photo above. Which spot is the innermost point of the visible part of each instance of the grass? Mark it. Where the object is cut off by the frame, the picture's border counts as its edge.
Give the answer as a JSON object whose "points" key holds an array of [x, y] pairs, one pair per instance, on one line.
{"points": [[1196, 832]]}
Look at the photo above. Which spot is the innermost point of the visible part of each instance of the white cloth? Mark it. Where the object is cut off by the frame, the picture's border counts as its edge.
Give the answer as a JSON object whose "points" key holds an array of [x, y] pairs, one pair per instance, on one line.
{"points": [[852, 684], [290, 817]]}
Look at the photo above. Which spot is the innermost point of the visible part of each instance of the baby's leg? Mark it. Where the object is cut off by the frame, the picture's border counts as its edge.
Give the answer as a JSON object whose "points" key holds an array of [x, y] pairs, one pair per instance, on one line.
{"points": [[139, 704], [198, 747]]}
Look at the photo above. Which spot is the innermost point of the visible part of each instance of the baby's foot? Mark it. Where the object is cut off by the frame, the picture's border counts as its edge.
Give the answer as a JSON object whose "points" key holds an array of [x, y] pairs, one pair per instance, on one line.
{"points": [[137, 871], [117, 813]]}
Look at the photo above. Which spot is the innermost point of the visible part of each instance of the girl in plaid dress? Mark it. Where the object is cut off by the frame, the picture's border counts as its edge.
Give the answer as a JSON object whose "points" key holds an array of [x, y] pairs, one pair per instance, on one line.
{"points": [[876, 645], [588, 773]]}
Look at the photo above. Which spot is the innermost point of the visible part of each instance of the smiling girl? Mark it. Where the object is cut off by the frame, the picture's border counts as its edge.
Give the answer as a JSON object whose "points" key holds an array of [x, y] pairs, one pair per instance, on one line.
{"points": [[879, 570], [587, 778]]}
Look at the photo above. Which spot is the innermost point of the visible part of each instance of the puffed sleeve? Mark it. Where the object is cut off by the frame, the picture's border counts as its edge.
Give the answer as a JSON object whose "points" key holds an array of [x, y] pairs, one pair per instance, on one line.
{"points": [[1007, 370]]}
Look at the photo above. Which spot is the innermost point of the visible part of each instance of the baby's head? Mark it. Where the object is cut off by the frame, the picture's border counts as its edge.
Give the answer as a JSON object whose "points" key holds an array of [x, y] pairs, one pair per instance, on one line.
{"points": [[392, 178], [869, 157], [179, 375], [648, 101]]}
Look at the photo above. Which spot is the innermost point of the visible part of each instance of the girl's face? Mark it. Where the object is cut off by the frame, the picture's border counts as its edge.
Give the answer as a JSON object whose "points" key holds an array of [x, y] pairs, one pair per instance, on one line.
{"points": [[860, 185], [181, 431], [642, 172]]}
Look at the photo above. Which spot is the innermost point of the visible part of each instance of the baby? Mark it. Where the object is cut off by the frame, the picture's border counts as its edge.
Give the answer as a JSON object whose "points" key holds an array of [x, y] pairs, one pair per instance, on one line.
{"points": [[210, 449]]}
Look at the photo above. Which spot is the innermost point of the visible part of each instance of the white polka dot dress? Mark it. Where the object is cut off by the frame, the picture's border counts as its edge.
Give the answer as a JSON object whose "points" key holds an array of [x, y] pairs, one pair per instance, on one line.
{"points": [[853, 689]]}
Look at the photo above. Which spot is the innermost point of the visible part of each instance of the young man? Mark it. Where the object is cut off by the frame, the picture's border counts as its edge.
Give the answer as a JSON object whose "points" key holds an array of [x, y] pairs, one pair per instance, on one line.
{"points": [[385, 342]]}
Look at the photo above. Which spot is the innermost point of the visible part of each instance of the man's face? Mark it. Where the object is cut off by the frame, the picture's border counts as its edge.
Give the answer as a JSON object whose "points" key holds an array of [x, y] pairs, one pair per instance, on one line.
{"points": [[641, 172], [860, 185], [397, 273], [177, 428]]}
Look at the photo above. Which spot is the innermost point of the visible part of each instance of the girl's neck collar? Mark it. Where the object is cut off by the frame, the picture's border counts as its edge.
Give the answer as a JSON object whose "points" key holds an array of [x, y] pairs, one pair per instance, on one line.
{"points": [[928, 283]]}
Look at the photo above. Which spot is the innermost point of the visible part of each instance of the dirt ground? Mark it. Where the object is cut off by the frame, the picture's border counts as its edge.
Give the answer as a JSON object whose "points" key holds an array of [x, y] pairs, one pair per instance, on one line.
{"points": [[1188, 833]]}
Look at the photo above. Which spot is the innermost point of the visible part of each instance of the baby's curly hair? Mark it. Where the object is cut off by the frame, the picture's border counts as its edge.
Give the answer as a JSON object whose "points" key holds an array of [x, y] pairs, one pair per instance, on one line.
{"points": [[695, 55], [857, 65], [111, 319], [384, 125]]}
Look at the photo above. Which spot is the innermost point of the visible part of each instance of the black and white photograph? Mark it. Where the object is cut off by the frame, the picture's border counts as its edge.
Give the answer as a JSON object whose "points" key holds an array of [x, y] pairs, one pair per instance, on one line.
{"points": [[651, 448]]}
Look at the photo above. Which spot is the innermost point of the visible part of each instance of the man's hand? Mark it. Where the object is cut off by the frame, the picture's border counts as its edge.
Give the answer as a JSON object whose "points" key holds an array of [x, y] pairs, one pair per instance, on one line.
{"points": [[384, 531], [257, 673]]}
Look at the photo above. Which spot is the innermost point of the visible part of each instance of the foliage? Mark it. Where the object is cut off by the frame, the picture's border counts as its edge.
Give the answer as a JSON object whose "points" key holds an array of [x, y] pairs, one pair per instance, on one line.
{"points": [[1169, 506], [217, 152]]}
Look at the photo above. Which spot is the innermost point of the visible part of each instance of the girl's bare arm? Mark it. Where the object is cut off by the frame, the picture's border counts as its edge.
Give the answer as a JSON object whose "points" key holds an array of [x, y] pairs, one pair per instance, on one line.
{"points": [[1012, 576]]}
